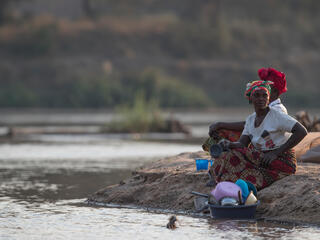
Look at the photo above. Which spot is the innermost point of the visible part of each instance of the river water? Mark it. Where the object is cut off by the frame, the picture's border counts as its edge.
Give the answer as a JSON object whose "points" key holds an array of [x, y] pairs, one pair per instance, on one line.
{"points": [[45, 179]]}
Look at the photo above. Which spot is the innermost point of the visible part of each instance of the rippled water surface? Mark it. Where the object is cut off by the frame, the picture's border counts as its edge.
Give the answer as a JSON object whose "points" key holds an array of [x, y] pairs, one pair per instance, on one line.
{"points": [[68, 220], [45, 179]]}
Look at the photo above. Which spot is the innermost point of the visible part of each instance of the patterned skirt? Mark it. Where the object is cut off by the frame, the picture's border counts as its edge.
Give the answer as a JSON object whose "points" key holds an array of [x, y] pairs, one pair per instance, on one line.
{"points": [[245, 163]]}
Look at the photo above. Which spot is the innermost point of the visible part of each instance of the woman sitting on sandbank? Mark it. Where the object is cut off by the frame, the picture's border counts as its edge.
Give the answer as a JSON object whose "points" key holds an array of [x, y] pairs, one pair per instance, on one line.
{"points": [[272, 134], [232, 130]]}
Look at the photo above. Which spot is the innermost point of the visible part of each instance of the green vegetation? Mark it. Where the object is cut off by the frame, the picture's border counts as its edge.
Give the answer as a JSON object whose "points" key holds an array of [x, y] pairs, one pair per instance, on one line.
{"points": [[103, 91], [204, 52], [34, 42], [142, 116]]}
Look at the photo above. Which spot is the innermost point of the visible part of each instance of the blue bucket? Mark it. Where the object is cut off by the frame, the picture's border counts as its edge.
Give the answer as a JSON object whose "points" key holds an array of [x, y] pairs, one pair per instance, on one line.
{"points": [[202, 164]]}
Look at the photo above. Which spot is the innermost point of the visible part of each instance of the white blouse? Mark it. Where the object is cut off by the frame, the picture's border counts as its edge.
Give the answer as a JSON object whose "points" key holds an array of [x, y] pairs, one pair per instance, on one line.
{"points": [[273, 132], [277, 104]]}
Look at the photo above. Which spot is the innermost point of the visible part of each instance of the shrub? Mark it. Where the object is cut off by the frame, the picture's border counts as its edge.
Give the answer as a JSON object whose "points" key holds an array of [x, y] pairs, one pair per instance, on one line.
{"points": [[142, 116]]}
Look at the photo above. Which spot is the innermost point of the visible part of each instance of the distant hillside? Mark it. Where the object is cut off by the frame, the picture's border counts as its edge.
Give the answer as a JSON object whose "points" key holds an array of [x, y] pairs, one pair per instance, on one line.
{"points": [[195, 54]]}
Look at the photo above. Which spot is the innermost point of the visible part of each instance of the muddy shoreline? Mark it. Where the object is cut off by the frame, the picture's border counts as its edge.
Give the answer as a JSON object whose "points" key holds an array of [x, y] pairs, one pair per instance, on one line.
{"points": [[166, 184], [192, 213]]}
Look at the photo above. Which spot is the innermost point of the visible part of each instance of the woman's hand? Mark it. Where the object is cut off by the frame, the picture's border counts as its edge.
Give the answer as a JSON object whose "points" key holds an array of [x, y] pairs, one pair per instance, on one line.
{"points": [[298, 133], [228, 145], [225, 144], [268, 158]]}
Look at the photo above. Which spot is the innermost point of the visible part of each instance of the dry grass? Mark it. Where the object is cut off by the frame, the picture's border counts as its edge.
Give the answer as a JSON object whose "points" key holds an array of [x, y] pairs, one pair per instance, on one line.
{"points": [[121, 25]]}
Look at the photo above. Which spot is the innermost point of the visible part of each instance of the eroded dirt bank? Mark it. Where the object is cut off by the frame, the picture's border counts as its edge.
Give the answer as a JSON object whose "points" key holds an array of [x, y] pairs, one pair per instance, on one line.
{"points": [[167, 183]]}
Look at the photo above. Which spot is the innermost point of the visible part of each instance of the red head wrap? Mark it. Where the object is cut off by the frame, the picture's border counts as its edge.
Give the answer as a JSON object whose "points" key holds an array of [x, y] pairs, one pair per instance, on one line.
{"points": [[278, 78]]}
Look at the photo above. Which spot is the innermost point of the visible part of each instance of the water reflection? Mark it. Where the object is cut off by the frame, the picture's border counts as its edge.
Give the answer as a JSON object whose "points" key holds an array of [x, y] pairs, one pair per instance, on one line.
{"points": [[111, 150], [43, 188], [65, 219], [39, 184]]}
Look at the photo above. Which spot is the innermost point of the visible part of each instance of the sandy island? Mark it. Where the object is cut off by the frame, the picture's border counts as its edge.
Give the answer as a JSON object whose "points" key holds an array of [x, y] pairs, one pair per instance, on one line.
{"points": [[167, 183]]}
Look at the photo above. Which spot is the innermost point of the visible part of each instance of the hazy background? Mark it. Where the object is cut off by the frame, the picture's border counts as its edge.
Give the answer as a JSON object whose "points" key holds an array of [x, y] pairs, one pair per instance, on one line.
{"points": [[80, 78], [190, 53]]}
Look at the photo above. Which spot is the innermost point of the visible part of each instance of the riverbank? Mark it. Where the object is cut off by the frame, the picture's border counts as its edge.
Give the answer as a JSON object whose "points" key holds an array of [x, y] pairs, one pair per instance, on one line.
{"points": [[167, 183]]}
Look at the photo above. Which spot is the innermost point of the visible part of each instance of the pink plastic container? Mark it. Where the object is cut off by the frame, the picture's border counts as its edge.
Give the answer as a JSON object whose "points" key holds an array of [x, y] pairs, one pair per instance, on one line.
{"points": [[226, 189]]}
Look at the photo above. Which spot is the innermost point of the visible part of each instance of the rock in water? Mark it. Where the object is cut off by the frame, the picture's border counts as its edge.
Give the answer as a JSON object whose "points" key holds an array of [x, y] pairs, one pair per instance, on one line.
{"points": [[172, 222]]}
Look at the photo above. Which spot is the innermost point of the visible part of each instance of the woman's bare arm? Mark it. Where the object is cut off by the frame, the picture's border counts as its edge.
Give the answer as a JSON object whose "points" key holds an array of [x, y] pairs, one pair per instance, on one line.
{"points": [[298, 133], [243, 142], [235, 126]]}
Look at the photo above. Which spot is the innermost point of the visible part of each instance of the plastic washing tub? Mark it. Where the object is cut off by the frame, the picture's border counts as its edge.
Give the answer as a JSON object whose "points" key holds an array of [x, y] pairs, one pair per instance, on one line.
{"points": [[233, 212]]}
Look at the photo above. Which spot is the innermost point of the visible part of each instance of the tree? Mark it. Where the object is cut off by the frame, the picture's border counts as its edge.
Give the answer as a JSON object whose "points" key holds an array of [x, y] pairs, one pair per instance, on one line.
{"points": [[88, 8], [4, 5], [5, 9]]}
